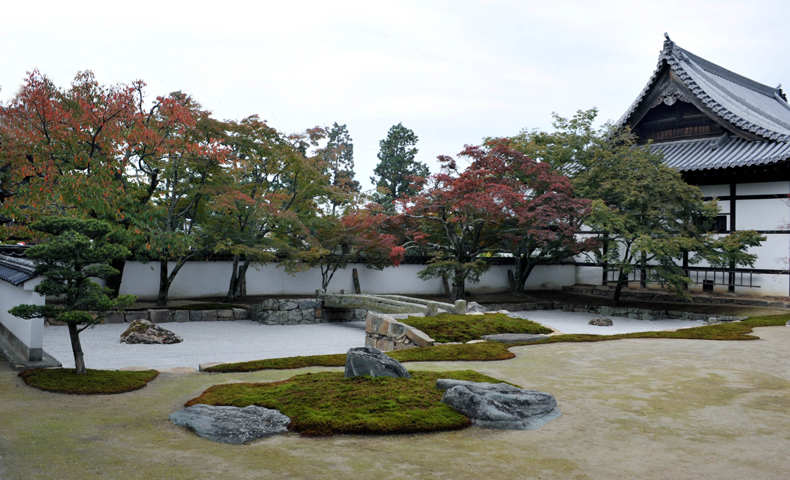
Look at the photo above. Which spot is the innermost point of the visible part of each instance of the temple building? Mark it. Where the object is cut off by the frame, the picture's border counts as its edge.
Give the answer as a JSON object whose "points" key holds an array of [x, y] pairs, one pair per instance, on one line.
{"points": [[730, 136]]}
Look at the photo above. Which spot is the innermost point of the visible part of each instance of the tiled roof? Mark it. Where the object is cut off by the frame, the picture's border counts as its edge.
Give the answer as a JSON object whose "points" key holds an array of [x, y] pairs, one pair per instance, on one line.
{"points": [[16, 270], [741, 102], [725, 152]]}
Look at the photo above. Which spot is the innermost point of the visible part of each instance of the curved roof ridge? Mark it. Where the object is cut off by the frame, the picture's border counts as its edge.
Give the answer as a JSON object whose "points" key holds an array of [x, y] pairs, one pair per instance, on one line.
{"points": [[674, 57]]}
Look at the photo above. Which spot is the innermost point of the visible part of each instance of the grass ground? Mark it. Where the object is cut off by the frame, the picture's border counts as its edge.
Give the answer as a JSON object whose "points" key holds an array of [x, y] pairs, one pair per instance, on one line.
{"points": [[633, 408], [326, 403], [94, 382]]}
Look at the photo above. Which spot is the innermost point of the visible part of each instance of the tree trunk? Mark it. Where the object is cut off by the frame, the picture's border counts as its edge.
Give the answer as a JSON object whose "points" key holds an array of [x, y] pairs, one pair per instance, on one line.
{"points": [[620, 280], [114, 282], [233, 288], [164, 284], [458, 286], [76, 348], [523, 269], [241, 287], [447, 290]]}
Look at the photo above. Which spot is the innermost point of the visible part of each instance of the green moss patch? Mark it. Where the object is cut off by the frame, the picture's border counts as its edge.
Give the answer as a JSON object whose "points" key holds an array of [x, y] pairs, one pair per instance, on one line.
{"points": [[473, 352], [723, 331], [337, 360], [463, 328], [94, 382], [326, 403], [442, 353]]}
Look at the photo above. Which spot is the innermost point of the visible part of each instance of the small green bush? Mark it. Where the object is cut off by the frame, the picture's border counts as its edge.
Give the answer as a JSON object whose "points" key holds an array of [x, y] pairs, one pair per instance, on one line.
{"points": [[326, 403], [463, 328], [94, 382]]}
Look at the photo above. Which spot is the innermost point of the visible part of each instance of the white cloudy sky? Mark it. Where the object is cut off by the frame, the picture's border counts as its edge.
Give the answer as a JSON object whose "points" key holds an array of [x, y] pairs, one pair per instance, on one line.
{"points": [[452, 71]]}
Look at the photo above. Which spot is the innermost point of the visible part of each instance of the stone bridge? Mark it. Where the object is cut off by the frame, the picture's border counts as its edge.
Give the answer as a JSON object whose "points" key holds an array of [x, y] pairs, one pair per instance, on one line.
{"points": [[390, 304]]}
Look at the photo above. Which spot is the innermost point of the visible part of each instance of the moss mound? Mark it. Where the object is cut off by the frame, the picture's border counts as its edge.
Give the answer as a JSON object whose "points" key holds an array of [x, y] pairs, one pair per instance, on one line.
{"points": [[94, 382], [462, 328], [326, 403], [442, 353]]}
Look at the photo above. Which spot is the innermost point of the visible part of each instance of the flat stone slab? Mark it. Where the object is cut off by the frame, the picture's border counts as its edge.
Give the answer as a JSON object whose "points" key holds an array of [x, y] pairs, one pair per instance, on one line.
{"points": [[232, 425], [513, 337], [499, 405]]}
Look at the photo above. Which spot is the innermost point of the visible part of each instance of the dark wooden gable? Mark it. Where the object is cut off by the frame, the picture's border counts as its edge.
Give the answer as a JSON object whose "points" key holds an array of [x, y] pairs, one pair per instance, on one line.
{"points": [[670, 112]]}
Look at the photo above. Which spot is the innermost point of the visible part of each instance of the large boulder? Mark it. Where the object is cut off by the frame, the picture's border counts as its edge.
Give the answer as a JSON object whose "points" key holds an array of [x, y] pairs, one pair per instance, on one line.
{"points": [[474, 307], [231, 424], [600, 322], [372, 361], [143, 331], [499, 405]]}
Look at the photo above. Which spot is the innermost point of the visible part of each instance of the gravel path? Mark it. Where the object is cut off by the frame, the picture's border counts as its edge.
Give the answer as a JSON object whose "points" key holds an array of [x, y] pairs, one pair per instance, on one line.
{"points": [[245, 340], [205, 342]]}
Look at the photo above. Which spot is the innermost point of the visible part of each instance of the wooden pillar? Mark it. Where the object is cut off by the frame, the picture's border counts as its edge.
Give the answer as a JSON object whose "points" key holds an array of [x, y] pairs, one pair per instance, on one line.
{"points": [[731, 279]]}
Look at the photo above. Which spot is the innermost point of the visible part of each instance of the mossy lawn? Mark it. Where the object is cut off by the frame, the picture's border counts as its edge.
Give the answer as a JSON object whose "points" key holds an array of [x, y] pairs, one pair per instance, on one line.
{"points": [[326, 403], [94, 382]]}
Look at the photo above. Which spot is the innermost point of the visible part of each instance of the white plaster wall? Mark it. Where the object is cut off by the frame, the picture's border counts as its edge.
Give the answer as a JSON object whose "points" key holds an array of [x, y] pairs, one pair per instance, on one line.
{"points": [[762, 188], [200, 279], [715, 190], [29, 332], [768, 214], [589, 275]]}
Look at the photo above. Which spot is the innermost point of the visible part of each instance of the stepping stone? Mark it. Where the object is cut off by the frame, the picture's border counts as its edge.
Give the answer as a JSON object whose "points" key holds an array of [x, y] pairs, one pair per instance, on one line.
{"points": [[513, 337], [231, 424]]}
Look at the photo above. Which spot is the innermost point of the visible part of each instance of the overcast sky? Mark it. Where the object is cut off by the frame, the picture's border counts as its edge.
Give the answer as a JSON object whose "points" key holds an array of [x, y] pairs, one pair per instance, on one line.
{"points": [[452, 71]]}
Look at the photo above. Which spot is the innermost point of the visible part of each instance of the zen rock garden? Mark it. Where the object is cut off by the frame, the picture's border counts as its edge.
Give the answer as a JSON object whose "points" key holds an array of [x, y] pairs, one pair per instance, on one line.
{"points": [[487, 405]]}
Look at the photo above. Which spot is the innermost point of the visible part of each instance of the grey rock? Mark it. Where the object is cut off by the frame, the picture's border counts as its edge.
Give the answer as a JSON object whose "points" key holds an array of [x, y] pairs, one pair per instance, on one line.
{"points": [[143, 331], [270, 304], [224, 315], [600, 322], [502, 406], [288, 305], [208, 315], [371, 361], [474, 307], [114, 318], [160, 316], [240, 314], [513, 337], [181, 316], [231, 424], [132, 316], [195, 316], [294, 316], [306, 304], [448, 383]]}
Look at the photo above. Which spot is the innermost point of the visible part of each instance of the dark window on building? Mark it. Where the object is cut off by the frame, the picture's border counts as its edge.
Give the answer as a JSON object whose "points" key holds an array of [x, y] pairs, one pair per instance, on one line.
{"points": [[719, 224]]}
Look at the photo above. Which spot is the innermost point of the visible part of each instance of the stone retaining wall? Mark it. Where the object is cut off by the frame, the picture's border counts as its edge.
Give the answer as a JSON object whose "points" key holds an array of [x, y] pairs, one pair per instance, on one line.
{"points": [[163, 315], [661, 296], [641, 313], [302, 311], [384, 332]]}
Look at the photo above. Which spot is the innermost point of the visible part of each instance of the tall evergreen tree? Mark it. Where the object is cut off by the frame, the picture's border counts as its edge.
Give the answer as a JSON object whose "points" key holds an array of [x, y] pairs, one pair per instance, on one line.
{"points": [[397, 166]]}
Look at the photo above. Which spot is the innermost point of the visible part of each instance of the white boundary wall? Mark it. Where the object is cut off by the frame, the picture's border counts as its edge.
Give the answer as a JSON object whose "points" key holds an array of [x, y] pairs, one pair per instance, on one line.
{"points": [[203, 279], [24, 335]]}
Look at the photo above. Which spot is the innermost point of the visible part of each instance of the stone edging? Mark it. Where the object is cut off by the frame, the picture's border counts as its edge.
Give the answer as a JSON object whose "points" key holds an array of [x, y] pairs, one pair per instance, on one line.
{"points": [[661, 296], [163, 315], [384, 332]]}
